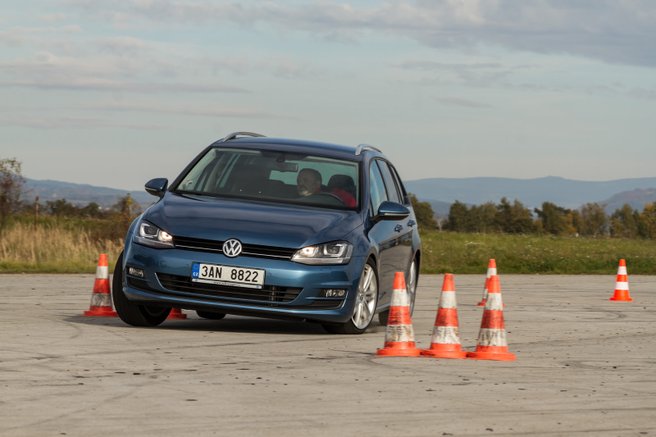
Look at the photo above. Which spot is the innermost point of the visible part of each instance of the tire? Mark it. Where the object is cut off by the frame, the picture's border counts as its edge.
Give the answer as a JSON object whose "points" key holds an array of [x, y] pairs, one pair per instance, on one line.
{"points": [[411, 288], [210, 315], [365, 304], [132, 313]]}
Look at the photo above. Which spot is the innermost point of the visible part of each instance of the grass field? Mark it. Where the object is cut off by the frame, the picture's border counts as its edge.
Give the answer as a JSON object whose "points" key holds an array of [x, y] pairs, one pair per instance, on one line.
{"points": [[469, 253], [63, 248]]}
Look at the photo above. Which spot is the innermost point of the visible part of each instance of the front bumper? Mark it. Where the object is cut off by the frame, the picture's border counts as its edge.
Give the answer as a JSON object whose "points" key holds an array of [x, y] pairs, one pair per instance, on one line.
{"points": [[290, 289]]}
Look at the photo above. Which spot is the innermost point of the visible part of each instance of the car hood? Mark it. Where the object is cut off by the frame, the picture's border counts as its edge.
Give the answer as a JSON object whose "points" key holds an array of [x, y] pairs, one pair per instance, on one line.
{"points": [[260, 223]]}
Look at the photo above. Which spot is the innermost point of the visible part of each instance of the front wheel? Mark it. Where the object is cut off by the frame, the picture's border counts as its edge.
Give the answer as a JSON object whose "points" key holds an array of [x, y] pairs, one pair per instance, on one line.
{"points": [[132, 313], [365, 304]]}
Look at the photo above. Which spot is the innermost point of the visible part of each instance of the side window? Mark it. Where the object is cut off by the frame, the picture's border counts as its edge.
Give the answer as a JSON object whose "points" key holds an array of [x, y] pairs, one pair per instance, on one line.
{"points": [[392, 190], [376, 187], [404, 193], [202, 177]]}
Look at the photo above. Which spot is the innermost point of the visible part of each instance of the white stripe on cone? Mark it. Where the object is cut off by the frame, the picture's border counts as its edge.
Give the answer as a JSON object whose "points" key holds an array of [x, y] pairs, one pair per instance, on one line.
{"points": [[445, 335], [102, 272], [621, 286], [492, 337], [399, 333], [101, 300], [621, 270], [448, 299], [494, 302], [400, 298]]}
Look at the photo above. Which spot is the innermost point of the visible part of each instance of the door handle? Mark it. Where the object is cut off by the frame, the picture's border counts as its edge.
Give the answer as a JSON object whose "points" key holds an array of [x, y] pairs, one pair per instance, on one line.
{"points": [[398, 228]]}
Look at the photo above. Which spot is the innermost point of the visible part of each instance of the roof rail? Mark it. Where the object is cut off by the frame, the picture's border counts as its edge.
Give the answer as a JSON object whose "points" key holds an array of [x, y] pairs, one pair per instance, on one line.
{"points": [[362, 147], [234, 135]]}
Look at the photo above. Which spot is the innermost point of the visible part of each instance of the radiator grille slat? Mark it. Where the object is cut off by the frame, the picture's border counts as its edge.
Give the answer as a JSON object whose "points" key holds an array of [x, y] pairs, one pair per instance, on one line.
{"points": [[247, 249]]}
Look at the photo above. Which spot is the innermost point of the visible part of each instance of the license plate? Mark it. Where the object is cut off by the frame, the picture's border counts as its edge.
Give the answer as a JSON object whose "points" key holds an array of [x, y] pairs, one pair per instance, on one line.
{"points": [[227, 275]]}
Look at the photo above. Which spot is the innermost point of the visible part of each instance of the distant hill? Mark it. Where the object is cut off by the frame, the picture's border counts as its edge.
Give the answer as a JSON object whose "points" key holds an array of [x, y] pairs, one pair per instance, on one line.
{"points": [[441, 209], [637, 199], [79, 194], [563, 192]]}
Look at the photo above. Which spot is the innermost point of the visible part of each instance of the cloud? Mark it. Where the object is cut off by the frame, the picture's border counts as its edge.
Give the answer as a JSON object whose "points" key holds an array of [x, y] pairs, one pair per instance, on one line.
{"points": [[23, 36], [614, 31], [90, 84], [472, 74], [67, 58], [46, 122], [42, 118], [195, 111], [464, 103], [475, 72], [642, 93], [112, 64]]}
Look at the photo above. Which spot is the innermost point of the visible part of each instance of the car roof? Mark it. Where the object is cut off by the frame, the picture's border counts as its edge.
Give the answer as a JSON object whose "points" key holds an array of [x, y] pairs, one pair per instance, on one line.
{"points": [[296, 145]]}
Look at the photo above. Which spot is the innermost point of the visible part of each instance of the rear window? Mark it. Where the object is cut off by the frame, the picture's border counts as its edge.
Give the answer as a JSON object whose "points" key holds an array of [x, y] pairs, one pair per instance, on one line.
{"points": [[274, 176]]}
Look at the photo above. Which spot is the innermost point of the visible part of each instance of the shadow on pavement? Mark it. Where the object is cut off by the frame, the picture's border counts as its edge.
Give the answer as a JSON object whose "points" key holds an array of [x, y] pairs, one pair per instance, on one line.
{"points": [[229, 324]]}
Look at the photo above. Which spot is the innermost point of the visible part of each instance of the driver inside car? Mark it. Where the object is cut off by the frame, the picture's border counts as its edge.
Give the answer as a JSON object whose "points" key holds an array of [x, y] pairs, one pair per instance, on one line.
{"points": [[308, 182]]}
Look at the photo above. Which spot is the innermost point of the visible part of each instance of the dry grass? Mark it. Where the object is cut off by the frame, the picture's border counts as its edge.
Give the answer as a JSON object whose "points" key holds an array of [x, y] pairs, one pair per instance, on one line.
{"points": [[52, 249]]}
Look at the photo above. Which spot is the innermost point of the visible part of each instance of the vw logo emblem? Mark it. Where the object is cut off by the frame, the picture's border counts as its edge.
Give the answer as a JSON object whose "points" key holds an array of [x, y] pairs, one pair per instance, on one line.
{"points": [[232, 248]]}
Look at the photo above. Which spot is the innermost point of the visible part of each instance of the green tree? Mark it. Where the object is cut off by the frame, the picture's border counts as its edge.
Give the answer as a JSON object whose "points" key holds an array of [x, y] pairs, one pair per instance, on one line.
{"points": [[92, 210], [594, 221], [61, 208], [554, 219], [624, 222], [481, 218], [514, 218], [647, 221], [127, 210], [458, 217], [423, 212], [11, 184]]}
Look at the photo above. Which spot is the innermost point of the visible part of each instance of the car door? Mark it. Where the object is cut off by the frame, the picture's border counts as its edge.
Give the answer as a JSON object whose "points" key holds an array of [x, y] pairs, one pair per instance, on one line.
{"points": [[403, 228], [388, 235]]}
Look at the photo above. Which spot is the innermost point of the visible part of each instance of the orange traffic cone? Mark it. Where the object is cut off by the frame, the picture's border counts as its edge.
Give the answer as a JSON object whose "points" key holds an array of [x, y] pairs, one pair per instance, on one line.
{"points": [[622, 284], [176, 314], [101, 301], [492, 343], [491, 271], [446, 341], [399, 336]]}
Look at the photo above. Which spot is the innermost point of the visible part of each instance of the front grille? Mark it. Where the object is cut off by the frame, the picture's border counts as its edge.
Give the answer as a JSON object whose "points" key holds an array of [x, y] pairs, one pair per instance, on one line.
{"points": [[247, 249], [324, 304], [138, 283], [268, 293]]}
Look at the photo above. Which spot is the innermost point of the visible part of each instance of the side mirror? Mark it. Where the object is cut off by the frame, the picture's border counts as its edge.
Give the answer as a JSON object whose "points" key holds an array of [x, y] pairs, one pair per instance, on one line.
{"points": [[157, 186], [391, 211]]}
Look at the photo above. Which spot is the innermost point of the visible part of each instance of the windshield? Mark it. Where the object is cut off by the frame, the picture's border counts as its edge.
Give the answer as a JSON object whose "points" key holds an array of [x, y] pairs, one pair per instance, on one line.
{"points": [[274, 176]]}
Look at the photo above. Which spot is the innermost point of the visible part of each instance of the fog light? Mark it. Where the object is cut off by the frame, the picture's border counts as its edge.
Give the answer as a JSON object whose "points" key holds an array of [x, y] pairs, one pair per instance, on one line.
{"points": [[333, 292], [133, 271]]}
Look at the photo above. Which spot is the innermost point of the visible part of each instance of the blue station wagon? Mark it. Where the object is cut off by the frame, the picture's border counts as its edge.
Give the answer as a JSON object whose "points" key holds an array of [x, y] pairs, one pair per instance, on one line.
{"points": [[272, 227]]}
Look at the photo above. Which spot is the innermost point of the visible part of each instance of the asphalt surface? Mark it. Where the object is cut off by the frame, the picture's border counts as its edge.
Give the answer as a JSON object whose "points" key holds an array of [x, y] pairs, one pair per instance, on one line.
{"points": [[585, 366]]}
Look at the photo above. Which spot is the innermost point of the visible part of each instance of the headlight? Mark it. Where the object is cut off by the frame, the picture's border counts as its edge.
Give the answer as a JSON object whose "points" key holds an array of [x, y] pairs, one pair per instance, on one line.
{"points": [[328, 253], [150, 235]]}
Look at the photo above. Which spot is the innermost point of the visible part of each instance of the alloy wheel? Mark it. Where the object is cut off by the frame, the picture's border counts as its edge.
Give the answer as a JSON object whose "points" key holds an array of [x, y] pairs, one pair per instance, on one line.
{"points": [[365, 303]]}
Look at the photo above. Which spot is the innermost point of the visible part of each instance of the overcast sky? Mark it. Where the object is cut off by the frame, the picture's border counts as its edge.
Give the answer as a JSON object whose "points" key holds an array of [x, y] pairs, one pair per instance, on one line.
{"points": [[116, 93]]}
